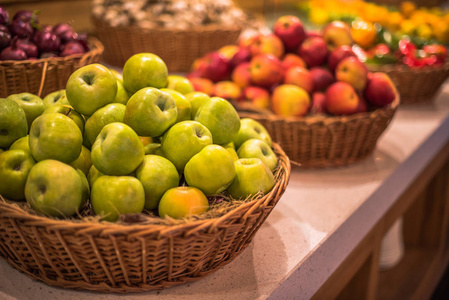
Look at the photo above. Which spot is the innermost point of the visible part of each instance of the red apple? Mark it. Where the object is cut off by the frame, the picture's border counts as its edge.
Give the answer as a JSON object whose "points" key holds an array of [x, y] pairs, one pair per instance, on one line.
{"points": [[352, 71], [241, 56], [380, 90], [227, 90], [314, 51], [241, 75], [318, 100], [202, 84], [313, 33], [290, 100], [363, 106], [246, 40], [301, 77], [337, 33], [292, 60], [267, 44], [259, 97], [322, 78], [337, 55], [341, 99], [291, 32], [266, 70], [214, 66]]}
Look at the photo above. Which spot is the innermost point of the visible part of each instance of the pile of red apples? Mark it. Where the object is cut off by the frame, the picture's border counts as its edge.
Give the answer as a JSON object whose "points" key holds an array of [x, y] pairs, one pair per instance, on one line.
{"points": [[294, 72]]}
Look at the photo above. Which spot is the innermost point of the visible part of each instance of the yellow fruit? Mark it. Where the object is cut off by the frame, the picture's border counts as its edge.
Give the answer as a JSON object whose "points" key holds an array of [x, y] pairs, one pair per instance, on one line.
{"points": [[363, 33], [394, 20], [407, 7], [407, 27], [424, 31], [319, 16]]}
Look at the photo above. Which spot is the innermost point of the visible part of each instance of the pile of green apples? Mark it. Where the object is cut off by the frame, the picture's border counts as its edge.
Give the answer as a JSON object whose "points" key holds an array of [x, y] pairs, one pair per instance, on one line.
{"points": [[126, 143]]}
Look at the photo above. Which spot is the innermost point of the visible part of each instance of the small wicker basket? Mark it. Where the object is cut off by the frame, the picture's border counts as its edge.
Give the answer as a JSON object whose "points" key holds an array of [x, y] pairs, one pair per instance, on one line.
{"points": [[133, 257], [322, 141], [43, 76], [415, 85], [177, 48]]}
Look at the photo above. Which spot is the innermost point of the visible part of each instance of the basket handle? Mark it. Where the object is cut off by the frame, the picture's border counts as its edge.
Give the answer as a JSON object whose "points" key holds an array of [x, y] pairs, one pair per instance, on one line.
{"points": [[44, 74]]}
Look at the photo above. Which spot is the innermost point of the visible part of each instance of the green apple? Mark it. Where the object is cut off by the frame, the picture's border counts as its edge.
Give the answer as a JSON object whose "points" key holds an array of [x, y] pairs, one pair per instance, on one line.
{"points": [[150, 112], [69, 112], [252, 177], [196, 100], [55, 189], [55, 136], [231, 149], [93, 175], [112, 196], [117, 150], [221, 118], [251, 129], [183, 201], [157, 175], [144, 70], [117, 74], [122, 95], [31, 104], [13, 122], [14, 168], [153, 148], [211, 170], [182, 105], [56, 98], [90, 88], [22, 144], [255, 148], [183, 140], [180, 84], [85, 188], [83, 162], [114, 112]]}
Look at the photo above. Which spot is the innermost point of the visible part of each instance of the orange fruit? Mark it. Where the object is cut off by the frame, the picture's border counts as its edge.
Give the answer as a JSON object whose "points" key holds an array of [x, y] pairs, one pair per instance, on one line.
{"points": [[363, 33], [183, 201]]}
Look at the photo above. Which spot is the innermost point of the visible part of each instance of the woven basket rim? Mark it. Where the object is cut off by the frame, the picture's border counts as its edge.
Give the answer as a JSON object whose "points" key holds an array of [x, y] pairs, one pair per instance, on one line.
{"points": [[190, 223], [406, 69], [194, 29], [323, 119], [96, 47]]}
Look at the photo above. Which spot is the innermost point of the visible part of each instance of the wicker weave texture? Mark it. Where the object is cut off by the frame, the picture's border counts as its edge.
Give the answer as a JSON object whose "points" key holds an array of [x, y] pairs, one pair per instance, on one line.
{"points": [[178, 49], [109, 257], [318, 141], [43, 76], [416, 85]]}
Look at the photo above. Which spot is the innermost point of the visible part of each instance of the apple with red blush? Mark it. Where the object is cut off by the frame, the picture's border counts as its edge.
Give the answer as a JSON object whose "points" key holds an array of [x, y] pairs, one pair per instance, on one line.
{"points": [[290, 31], [267, 44], [266, 70], [341, 99], [313, 51], [322, 78], [257, 96], [241, 75], [301, 77], [214, 66], [292, 60], [227, 90], [318, 103], [290, 100], [241, 56], [380, 90], [202, 84], [337, 33], [337, 55], [351, 70]]}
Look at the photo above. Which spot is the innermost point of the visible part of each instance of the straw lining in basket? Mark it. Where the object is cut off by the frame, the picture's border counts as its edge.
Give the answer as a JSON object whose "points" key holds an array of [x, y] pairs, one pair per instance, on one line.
{"points": [[326, 141], [110, 257], [177, 48], [415, 85], [43, 76]]}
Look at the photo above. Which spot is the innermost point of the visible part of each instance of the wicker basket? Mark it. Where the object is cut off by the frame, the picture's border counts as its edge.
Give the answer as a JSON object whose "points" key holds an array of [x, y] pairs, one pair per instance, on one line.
{"points": [[177, 48], [321, 141], [111, 257], [43, 76], [415, 85]]}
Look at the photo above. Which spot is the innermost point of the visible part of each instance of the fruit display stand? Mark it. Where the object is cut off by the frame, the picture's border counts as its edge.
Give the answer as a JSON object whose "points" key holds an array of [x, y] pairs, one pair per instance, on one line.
{"points": [[46, 75], [178, 48], [323, 239], [137, 255], [327, 141]]}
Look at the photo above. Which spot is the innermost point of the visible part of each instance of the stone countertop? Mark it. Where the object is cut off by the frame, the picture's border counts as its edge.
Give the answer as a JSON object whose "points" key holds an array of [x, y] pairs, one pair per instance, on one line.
{"points": [[321, 217]]}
